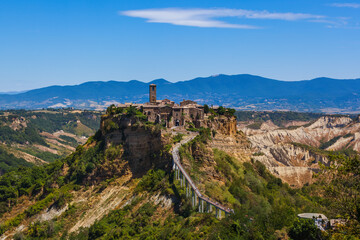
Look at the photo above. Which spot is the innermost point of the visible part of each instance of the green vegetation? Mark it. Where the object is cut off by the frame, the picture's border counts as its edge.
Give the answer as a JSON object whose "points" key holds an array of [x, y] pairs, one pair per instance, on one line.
{"points": [[264, 205], [258, 154], [21, 130], [220, 111], [320, 151], [311, 149], [70, 140], [255, 125], [37, 183], [152, 181], [115, 114], [348, 135], [26, 182], [206, 109], [48, 156], [41, 230], [177, 138], [340, 181], [25, 136], [278, 118], [327, 144], [304, 229], [9, 162], [52, 120], [128, 112], [128, 224]]}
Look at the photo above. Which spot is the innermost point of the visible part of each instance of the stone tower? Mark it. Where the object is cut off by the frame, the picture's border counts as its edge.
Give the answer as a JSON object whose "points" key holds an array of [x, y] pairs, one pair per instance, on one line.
{"points": [[152, 93]]}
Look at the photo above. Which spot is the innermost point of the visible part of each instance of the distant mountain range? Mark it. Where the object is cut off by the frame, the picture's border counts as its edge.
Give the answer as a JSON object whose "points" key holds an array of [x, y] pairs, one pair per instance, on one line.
{"points": [[245, 92]]}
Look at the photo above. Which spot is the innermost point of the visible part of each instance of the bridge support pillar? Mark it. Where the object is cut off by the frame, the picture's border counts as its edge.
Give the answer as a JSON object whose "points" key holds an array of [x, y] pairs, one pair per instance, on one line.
{"points": [[195, 198], [181, 180], [192, 198], [187, 188], [202, 205], [184, 179], [217, 211], [175, 172]]}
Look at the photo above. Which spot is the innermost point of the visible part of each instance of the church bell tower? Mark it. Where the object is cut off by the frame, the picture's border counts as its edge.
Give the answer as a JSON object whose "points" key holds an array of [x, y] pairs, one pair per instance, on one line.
{"points": [[152, 94]]}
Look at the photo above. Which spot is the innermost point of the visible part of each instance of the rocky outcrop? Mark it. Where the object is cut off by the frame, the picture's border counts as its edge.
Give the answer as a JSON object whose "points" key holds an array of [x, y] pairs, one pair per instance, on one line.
{"points": [[222, 124], [235, 145], [295, 176], [143, 144]]}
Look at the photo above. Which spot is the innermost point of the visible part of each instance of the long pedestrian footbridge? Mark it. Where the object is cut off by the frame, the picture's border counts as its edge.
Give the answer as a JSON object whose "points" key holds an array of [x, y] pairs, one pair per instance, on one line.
{"points": [[198, 200]]}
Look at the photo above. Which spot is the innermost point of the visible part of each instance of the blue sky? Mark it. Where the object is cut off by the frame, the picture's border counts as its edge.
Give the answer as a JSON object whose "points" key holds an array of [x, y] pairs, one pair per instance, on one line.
{"points": [[65, 42]]}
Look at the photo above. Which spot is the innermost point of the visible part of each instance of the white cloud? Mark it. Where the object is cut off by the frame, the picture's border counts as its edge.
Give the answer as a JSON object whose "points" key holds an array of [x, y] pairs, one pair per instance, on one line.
{"points": [[334, 23], [348, 5], [207, 17]]}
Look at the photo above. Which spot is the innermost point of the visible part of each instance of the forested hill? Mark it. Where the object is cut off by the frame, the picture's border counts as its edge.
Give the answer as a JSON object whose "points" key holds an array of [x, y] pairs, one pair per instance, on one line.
{"points": [[246, 92], [30, 138]]}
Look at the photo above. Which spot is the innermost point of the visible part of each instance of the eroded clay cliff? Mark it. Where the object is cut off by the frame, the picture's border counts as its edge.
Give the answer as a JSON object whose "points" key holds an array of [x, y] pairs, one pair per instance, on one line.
{"points": [[294, 163]]}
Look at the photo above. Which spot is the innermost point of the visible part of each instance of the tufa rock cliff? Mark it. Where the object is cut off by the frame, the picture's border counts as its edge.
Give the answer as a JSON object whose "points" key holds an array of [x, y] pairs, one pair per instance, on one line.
{"points": [[221, 124], [143, 144]]}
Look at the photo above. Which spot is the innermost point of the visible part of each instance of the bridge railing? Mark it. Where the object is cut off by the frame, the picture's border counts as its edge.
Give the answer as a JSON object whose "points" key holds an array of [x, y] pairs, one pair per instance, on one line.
{"points": [[197, 197]]}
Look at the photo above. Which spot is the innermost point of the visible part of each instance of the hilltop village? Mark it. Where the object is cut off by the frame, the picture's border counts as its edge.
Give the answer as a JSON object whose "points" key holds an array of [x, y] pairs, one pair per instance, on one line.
{"points": [[169, 112]]}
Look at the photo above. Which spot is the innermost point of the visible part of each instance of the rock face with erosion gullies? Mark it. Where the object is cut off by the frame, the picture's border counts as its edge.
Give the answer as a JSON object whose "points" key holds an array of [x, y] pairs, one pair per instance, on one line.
{"points": [[142, 144], [294, 154], [236, 145], [226, 137], [222, 124]]}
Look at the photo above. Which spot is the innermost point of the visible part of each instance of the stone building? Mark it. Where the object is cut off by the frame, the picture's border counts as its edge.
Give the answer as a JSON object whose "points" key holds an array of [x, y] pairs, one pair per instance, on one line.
{"points": [[170, 113]]}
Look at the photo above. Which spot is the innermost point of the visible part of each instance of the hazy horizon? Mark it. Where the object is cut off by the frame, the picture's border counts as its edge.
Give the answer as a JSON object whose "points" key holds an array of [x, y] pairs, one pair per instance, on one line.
{"points": [[70, 42]]}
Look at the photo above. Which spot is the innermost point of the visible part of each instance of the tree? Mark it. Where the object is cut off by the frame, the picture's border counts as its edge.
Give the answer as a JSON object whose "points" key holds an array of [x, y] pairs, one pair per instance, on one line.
{"points": [[304, 229], [131, 111], [221, 110], [230, 112], [206, 109], [341, 183], [110, 109]]}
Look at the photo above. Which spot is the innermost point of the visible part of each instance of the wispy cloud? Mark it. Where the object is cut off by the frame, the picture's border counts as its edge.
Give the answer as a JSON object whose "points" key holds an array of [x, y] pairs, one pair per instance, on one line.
{"points": [[339, 22], [346, 5], [209, 17]]}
